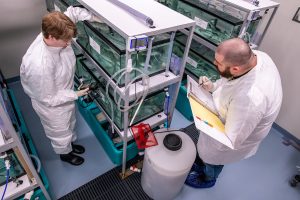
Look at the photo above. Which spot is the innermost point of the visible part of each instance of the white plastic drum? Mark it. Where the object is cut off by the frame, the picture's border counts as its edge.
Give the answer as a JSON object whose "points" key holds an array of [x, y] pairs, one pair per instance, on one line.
{"points": [[167, 165]]}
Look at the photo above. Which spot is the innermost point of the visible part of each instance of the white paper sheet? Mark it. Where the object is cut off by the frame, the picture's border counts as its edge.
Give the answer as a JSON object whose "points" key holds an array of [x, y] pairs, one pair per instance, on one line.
{"points": [[202, 95]]}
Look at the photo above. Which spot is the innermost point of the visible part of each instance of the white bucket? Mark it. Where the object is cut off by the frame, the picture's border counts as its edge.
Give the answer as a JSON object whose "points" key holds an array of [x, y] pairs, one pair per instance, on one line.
{"points": [[167, 165]]}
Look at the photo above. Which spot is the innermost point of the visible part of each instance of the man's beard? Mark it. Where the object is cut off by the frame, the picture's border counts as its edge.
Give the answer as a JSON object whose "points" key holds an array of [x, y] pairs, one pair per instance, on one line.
{"points": [[226, 73]]}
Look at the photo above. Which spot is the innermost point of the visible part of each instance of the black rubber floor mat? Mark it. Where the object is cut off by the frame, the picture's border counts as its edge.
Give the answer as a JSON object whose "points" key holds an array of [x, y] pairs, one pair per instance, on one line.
{"points": [[193, 132], [110, 186]]}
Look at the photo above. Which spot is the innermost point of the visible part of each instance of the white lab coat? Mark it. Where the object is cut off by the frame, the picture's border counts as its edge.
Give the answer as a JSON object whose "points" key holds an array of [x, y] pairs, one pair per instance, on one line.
{"points": [[248, 106], [47, 75]]}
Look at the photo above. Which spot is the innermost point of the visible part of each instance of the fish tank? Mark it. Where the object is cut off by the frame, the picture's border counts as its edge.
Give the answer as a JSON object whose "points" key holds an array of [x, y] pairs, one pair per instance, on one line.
{"points": [[108, 50], [196, 64], [77, 51], [152, 105], [169, 3], [215, 22], [201, 49], [15, 171]]}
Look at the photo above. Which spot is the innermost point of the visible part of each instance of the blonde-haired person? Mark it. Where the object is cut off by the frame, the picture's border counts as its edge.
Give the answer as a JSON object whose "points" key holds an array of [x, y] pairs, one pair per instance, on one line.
{"points": [[47, 73], [248, 98]]}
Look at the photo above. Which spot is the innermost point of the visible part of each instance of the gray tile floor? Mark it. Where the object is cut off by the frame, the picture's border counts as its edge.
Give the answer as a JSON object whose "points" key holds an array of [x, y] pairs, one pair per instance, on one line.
{"points": [[263, 176]]}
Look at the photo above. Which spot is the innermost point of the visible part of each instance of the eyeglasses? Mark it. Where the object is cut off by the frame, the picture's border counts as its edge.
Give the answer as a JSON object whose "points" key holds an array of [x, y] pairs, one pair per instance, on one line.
{"points": [[217, 62]]}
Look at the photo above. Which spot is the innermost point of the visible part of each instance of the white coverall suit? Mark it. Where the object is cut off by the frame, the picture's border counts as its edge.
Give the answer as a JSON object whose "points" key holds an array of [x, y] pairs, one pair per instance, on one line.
{"points": [[248, 105], [47, 75]]}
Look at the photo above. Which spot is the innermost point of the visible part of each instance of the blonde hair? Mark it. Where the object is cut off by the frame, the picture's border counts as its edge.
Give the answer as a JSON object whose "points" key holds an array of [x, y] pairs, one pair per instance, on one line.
{"points": [[59, 26]]}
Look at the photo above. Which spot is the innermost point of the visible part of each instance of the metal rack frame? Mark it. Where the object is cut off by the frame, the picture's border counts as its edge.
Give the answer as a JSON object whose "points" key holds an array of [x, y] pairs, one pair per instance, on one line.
{"points": [[15, 144], [156, 82], [249, 9], [105, 10]]}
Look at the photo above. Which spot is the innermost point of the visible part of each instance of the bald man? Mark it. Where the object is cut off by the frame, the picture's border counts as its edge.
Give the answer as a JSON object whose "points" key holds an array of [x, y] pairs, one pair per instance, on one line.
{"points": [[248, 98]]}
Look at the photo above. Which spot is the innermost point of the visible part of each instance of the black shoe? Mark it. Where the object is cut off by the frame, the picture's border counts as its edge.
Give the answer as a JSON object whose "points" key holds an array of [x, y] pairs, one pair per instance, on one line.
{"points": [[78, 149], [72, 158]]}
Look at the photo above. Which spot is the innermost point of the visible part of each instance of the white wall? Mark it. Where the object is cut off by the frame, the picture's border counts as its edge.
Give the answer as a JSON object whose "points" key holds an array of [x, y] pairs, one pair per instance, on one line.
{"points": [[20, 23], [282, 43]]}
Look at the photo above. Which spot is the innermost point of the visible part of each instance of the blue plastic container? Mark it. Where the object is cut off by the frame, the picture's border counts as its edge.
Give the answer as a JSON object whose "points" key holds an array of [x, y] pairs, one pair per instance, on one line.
{"points": [[113, 150], [183, 104]]}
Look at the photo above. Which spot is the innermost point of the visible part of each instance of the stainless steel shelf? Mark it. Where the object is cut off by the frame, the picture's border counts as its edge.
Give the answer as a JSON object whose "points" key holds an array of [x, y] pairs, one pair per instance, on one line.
{"points": [[156, 82], [13, 192], [8, 145], [127, 25], [22, 192], [247, 6], [165, 21], [15, 144], [153, 121]]}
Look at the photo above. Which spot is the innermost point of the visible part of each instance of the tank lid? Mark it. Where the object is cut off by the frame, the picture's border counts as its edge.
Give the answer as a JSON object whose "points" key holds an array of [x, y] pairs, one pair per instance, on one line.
{"points": [[172, 142]]}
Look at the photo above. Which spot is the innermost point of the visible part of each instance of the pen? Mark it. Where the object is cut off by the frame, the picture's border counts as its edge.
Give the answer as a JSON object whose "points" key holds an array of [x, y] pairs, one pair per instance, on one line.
{"points": [[206, 122], [209, 124], [198, 118]]}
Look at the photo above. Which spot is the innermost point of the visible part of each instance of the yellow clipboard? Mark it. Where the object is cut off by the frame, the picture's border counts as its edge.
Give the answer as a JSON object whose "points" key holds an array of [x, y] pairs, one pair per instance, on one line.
{"points": [[203, 113]]}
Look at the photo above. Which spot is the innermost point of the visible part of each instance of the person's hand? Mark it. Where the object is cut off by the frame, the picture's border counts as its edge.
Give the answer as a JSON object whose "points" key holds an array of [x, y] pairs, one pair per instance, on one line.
{"points": [[206, 83], [83, 92]]}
